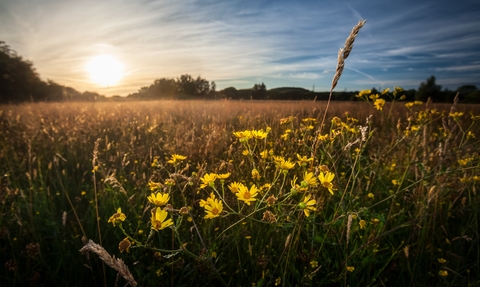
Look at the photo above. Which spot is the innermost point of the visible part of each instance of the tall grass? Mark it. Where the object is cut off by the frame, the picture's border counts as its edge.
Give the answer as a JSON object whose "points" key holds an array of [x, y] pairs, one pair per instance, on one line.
{"points": [[405, 196]]}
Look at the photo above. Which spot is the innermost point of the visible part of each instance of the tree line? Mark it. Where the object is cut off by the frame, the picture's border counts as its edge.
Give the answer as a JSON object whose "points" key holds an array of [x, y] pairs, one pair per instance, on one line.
{"points": [[19, 82]]}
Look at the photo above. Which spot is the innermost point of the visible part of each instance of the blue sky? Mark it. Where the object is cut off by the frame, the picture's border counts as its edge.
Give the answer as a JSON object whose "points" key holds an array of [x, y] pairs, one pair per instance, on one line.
{"points": [[240, 43]]}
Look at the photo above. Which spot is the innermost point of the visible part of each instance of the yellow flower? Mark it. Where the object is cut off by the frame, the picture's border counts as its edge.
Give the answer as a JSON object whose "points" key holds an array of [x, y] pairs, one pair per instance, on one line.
{"points": [[158, 219], [309, 179], [159, 199], [322, 137], [443, 273], [285, 164], [213, 207], [303, 160], [287, 120], [208, 180], [362, 224], [223, 176], [264, 154], [176, 158], [245, 152], [243, 135], [314, 263], [246, 195], [409, 105], [235, 186], [456, 115], [259, 134], [326, 180], [363, 93], [374, 97], [117, 218], [441, 260], [124, 245], [378, 104], [154, 185], [255, 174], [307, 205], [385, 91], [350, 268], [370, 195]]}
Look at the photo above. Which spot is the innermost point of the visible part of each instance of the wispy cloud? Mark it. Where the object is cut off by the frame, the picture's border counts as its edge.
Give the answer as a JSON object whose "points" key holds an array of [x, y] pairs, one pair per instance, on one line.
{"points": [[238, 43]]}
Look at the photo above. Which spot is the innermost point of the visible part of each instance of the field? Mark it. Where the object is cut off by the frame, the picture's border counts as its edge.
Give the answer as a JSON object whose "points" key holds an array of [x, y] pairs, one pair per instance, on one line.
{"points": [[239, 193]]}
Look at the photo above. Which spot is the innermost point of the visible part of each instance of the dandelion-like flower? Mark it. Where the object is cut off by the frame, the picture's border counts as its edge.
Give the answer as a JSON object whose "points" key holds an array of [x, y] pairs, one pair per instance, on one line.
{"points": [[246, 195], [307, 205], [124, 245], [158, 219], [350, 268], [362, 224], [286, 165], [117, 218], [223, 176], [159, 199], [443, 273], [208, 180], [309, 179], [303, 160], [243, 135], [176, 158], [213, 207], [326, 180], [235, 186], [154, 185], [259, 134], [255, 174], [378, 104]]}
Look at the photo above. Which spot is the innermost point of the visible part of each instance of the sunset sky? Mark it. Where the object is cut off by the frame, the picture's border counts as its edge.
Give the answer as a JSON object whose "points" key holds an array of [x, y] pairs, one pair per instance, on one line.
{"points": [[240, 43]]}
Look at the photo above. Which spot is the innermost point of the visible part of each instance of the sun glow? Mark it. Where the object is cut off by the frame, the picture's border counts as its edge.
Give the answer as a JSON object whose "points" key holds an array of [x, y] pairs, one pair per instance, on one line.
{"points": [[105, 70]]}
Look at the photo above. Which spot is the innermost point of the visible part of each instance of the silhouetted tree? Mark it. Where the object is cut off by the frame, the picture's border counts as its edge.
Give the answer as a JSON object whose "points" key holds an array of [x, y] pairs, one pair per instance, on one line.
{"points": [[429, 89], [18, 79]]}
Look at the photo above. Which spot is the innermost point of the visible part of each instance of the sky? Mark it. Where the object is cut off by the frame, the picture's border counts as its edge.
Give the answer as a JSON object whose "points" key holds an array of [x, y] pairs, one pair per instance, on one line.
{"points": [[239, 43]]}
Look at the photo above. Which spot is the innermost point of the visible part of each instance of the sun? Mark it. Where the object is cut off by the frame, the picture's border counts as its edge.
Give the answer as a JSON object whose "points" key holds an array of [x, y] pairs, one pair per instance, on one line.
{"points": [[105, 70]]}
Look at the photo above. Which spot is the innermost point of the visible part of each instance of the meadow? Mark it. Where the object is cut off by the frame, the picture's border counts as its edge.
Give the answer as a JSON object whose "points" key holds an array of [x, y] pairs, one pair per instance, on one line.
{"points": [[240, 193]]}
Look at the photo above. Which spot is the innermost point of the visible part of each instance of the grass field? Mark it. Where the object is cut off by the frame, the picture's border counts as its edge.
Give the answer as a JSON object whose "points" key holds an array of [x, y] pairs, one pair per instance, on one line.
{"points": [[239, 193]]}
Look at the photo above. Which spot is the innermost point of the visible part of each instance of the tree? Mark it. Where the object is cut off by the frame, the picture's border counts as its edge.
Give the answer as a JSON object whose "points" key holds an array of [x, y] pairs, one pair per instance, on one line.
{"points": [[189, 86], [18, 79], [429, 89]]}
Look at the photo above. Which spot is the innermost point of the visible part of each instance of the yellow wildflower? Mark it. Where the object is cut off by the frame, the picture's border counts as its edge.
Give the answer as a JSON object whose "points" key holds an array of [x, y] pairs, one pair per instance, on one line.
{"points": [[234, 186], [223, 176], [264, 154], [286, 165], [374, 97], [314, 263], [363, 93], [326, 180], [385, 91], [159, 199], [154, 185], [322, 137], [307, 205], [303, 160], [378, 104], [208, 180], [350, 268], [362, 224], [443, 273], [117, 218], [245, 152], [243, 135], [124, 245], [255, 174], [441, 260], [176, 158], [246, 195], [259, 134], [309, 179], [158, 219], [213, 207]]}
